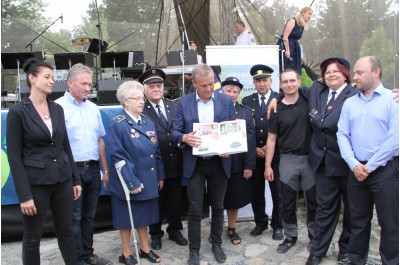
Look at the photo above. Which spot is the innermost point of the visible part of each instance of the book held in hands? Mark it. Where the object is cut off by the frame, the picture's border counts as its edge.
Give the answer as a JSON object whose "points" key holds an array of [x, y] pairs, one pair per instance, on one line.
{"points": [[228, 137]]}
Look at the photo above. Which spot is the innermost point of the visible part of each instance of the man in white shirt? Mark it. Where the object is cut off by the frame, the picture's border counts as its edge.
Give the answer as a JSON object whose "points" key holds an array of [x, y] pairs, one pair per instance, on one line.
{"points": [[244, 37]]}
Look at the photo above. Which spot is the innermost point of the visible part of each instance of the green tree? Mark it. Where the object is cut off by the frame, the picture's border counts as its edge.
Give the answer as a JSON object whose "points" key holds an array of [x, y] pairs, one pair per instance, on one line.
{"points": [[379, 45]]}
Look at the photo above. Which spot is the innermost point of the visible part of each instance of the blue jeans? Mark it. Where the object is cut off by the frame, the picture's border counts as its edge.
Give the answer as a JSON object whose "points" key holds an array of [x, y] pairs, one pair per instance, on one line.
{"points": [[84, 211]]}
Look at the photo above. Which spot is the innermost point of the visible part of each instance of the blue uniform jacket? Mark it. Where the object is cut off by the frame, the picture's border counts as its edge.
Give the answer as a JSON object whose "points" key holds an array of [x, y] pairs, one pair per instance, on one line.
{"points": [[138, 147]]}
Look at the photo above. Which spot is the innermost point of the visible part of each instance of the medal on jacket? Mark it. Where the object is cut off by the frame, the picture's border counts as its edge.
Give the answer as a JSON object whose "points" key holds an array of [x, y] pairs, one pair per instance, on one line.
{"points": [[154, 140], [150, 133]]}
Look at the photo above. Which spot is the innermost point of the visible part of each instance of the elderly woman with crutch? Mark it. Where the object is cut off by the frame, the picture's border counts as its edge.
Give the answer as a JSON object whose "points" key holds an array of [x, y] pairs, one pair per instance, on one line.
{"points": [[136, 173]]}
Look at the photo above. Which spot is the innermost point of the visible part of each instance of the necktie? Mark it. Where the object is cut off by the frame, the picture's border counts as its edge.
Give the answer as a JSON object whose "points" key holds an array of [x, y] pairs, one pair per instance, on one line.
{"points": [[139, 122], [330, 103], [162, 117], [263, 108]]}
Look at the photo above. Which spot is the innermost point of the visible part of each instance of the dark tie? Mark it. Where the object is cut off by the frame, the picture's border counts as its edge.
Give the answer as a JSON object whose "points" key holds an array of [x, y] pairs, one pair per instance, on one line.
{"points": [[139, 122], [263, 108], [162, 117], [330, 103]]}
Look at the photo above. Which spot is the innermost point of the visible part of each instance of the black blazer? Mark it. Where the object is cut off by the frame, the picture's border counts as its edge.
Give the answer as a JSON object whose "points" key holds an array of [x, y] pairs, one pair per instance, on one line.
{"points": [[36, 157], [170, 152], [246, 160], [323, 142], [260, 119]]}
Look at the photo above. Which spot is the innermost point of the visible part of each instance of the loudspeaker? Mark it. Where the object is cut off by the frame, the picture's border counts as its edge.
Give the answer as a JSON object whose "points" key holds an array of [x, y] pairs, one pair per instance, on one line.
{"points": [[58, 90], [106, 94]]}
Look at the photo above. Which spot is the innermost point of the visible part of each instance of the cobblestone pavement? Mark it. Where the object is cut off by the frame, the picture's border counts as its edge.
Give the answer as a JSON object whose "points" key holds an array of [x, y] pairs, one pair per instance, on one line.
{"points": [[259, 250]]}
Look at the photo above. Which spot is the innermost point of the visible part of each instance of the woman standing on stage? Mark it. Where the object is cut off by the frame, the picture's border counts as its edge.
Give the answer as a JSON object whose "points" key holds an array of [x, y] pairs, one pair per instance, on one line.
{"points": [[289, 41]]}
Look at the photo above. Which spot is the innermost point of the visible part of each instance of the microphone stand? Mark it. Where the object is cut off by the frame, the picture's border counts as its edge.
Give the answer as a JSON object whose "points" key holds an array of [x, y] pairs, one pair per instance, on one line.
{"points": [[184, 34], [41, 33], [100, 43]]}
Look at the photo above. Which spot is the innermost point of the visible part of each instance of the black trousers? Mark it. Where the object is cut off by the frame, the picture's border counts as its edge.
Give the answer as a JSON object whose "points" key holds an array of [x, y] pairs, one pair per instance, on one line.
{"points": [[208, 171], [59, 197], [331, 192], [170, 204], [382, 189], [258, 195]]}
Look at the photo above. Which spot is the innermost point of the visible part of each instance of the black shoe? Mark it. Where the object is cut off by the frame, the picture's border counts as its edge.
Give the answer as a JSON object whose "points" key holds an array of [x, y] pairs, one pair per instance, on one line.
{"points": [[218, 254], [130, 260], [96, 260], [286, 245], [343, 258], [151, 256], [313, 260], [258, 230], [194, 258], [277, 234], [156, 243], [178, 239]]}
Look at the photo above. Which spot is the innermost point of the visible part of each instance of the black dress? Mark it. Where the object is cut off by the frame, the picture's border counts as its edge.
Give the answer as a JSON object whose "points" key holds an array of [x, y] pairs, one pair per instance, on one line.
{"points": [[238, 191]]}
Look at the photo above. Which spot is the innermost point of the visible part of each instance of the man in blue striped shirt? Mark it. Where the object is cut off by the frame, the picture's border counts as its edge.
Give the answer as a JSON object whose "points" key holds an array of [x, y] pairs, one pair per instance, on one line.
{"points": [[368, 138]]}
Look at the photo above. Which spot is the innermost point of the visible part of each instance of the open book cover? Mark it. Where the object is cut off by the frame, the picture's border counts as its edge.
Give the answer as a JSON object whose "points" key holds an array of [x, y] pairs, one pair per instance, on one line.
{"points": [[228, 137]]}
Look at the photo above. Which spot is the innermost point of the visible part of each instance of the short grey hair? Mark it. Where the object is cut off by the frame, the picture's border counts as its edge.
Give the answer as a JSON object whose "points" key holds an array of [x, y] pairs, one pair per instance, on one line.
{"points": [[201, 70], [77, 69], [125, 90]]}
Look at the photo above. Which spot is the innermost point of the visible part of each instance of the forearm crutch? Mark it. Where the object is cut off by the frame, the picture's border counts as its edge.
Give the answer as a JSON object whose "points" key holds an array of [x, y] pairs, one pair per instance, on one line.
{"points": [[118, 167]]}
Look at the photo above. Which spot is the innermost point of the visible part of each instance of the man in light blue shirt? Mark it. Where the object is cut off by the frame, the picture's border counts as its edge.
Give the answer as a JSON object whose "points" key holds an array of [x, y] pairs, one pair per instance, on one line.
{"points": [[85, 131], [368, 138]]}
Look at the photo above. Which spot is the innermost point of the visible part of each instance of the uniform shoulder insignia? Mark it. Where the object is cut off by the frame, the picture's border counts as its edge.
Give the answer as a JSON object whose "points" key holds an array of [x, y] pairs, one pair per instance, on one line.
{"points": [[141, 114], [119, 118], [169, 100], [244, 106]]}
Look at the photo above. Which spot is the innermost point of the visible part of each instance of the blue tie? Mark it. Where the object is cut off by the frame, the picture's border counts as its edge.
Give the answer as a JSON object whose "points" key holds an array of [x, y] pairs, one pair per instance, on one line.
{"points": [[263, 108], [162, 117]]}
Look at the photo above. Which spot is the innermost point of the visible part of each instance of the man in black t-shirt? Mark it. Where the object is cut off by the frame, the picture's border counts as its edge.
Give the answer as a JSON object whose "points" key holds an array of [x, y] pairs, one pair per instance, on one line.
{"points": [[290, 127]]}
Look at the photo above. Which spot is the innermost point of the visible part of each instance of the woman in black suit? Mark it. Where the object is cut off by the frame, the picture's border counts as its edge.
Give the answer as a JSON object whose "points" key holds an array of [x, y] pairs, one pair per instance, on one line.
{"points": [[42, 164]]}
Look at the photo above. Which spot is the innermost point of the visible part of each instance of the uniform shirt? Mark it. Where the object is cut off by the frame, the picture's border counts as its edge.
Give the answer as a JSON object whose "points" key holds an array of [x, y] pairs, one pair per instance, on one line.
{"points": [[292, 127], [245, 38], [84, 127], [368, 129], [338, 91]]}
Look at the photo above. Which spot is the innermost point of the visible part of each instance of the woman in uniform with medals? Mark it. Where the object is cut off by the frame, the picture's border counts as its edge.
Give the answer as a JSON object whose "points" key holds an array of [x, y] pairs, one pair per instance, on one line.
{"points": [[133, 148]]}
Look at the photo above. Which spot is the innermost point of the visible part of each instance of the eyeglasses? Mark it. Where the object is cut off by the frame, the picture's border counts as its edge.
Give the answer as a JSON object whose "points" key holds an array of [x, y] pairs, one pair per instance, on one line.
{"points": [[332, 72], [137, 98]]}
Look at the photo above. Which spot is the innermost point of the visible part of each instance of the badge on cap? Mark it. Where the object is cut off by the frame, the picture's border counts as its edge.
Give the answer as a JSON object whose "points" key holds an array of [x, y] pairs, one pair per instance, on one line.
{"points": [[153, 71]]}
